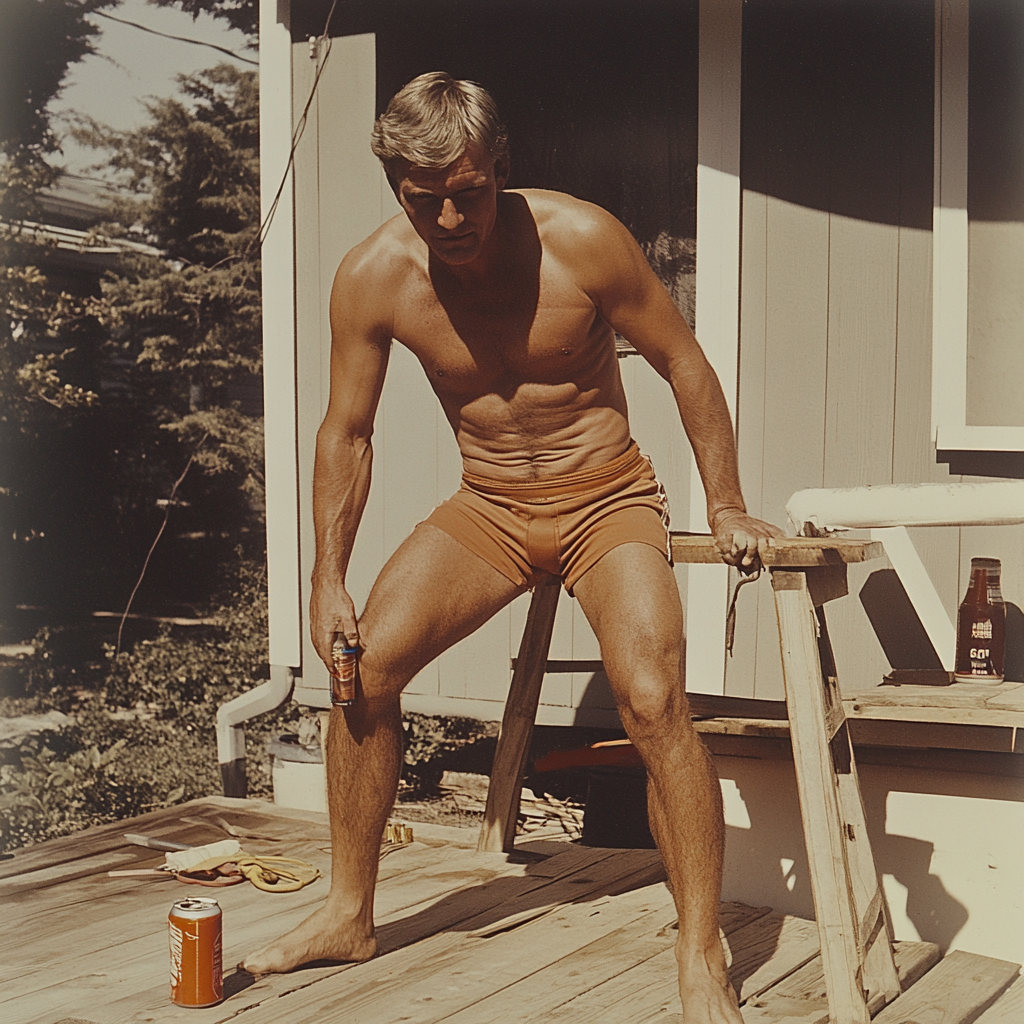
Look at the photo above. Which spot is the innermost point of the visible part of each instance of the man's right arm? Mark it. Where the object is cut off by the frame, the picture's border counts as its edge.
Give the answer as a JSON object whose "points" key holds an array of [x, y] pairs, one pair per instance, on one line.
{"points": [[360, 345]]}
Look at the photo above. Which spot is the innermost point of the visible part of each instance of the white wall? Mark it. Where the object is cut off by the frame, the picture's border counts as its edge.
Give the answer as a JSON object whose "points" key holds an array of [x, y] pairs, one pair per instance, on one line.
{"points": [[949, 847]]}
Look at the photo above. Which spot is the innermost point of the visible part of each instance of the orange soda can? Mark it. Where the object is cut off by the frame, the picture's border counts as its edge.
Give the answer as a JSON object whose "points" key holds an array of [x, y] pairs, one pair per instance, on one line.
{"points": [[197, 967], [343, 678]]}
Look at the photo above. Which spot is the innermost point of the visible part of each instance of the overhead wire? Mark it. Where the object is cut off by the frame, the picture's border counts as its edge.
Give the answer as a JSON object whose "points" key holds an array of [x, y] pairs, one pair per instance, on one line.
{"points": [[180, 39], [300, 127]]}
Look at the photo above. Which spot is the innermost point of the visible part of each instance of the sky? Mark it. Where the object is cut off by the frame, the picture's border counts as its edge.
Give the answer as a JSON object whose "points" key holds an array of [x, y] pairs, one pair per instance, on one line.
{"points": [[131, 65]]}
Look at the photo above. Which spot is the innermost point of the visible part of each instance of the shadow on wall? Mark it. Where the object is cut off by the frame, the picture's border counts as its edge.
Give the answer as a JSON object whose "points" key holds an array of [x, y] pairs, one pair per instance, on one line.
{"points": [[903, 638], [765, 859], [1014, 667], [766, 862], [896, 623], [935, 913], [597, 695]]}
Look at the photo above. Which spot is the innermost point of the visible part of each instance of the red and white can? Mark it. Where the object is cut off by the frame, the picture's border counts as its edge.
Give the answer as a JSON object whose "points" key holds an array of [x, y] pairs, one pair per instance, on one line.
{"points": [[197, 966]]}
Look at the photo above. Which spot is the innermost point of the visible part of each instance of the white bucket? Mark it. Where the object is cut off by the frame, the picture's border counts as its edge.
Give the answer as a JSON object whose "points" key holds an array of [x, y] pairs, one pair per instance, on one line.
{"points": [[299, 783]]}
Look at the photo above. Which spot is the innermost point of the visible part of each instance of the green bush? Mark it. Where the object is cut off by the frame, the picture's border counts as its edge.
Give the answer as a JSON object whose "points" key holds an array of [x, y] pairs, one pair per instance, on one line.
{"points": [[145, 736]]}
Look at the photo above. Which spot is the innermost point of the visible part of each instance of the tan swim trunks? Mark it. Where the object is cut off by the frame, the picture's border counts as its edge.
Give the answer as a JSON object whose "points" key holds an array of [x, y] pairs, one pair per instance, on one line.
{"points": [[562, 524]]}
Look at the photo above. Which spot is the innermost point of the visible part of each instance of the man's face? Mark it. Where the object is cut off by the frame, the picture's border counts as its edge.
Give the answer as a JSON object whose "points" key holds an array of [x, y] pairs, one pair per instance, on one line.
{"points": [[453, 208]]}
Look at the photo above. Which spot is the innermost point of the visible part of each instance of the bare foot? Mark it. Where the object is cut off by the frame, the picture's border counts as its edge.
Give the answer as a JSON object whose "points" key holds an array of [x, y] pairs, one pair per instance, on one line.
{"points": [[707, 994], [322, 936]]}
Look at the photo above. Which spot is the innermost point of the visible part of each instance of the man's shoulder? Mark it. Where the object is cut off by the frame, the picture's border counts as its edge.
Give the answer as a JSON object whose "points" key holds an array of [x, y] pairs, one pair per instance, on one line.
{"points": [[584, 238], [572, 227], [385, 256], [563, 216]]}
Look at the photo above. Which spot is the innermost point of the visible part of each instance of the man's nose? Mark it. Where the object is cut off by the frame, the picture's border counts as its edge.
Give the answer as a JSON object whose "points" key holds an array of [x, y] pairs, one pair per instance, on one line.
{"points": [[450, 217]]}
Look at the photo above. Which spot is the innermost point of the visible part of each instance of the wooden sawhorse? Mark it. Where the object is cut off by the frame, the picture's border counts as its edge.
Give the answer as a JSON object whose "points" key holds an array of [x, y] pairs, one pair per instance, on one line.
{"points": [[853, 918]]}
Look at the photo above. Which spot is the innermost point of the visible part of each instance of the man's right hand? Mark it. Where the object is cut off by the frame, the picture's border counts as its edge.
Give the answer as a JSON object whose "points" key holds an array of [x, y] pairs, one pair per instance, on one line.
{"points": [[331, 611]]}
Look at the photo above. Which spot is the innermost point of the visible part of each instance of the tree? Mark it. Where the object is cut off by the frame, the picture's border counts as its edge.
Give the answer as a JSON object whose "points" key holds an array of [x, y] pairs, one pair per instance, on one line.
{"points": [[166, 350], [191, 319], [40, 41]]}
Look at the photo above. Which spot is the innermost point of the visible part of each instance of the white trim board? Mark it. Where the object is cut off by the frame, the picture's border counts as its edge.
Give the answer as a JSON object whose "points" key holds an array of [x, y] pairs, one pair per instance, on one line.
{"points": [[717, 303], [278, 255], [950, 244]]}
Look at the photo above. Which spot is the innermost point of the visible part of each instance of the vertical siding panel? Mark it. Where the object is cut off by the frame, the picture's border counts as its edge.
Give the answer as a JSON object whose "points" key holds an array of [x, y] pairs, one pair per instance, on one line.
{"points": [[863, 264], [913, 444], [350, 182], [308, 334], [477, 667], [557, 689], [754, 601], [796, 325], [860, 390], [654, 420], [408, 475]]}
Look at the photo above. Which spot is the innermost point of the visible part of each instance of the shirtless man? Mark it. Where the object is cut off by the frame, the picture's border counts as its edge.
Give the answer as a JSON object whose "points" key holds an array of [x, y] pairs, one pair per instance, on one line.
{"points": [[509, 299]]}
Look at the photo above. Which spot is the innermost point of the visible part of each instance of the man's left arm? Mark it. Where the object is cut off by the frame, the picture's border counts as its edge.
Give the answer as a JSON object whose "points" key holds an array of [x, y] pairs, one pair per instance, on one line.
{"points": [[634, 302]]}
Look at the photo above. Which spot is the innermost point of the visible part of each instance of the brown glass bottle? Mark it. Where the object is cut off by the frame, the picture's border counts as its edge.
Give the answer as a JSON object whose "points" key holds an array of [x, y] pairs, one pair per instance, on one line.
{"points": [[981, 626]]}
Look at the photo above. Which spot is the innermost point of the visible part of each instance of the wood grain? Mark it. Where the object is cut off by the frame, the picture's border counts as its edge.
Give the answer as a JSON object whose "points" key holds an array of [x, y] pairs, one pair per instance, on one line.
{"points": [[800, 997], [1008, 1008], [782, 552], [956, 991], [819, 800], [498, 830]]}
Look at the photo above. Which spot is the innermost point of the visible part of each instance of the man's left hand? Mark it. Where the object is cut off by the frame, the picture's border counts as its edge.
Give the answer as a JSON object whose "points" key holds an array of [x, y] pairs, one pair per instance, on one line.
{"points": [[742, 539]]}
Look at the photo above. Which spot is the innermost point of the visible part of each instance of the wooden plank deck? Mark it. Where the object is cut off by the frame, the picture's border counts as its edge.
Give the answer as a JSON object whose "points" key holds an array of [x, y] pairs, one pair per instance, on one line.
{"points": [[556, 932]]}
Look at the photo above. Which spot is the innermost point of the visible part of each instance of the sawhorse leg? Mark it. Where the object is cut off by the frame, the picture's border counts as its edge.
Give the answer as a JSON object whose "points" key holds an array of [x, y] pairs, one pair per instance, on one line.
{"points": [[498, 831], [853, 924]]}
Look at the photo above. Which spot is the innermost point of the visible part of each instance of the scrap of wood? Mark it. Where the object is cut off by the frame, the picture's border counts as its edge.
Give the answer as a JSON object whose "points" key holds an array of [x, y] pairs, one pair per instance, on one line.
{"points": [[99, 864], [956, 991], [992, 696]]}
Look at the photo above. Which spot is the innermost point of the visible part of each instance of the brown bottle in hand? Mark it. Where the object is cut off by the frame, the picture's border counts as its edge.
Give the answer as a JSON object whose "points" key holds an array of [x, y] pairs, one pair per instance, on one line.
{"points": [[981, 626]]}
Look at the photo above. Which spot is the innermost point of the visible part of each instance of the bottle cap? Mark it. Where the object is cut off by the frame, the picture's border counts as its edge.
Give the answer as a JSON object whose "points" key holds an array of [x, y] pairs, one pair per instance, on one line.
{"points": [[988, 564]]}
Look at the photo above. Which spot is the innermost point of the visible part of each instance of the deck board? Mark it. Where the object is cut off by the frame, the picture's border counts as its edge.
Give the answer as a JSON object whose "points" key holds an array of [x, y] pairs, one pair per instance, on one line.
{"points": [[556, 933], [1008, 1008]]}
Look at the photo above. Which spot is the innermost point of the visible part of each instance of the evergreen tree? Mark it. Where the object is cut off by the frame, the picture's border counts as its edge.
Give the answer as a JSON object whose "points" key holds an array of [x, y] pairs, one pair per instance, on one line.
{"points": [[168, 366]]}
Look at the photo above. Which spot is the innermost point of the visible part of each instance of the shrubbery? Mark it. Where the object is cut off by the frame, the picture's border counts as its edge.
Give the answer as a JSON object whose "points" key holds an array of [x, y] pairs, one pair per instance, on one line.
{"points": [[144, 737]]}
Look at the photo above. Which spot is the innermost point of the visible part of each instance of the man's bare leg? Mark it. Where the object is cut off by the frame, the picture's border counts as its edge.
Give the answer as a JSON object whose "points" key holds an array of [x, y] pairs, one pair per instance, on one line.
{"points": [[631, 600], [431, 593]]}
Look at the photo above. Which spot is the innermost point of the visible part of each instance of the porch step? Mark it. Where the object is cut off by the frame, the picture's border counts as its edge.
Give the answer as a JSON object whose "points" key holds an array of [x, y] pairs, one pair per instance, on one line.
{"points": [[1008, 1008], [958, 990]]}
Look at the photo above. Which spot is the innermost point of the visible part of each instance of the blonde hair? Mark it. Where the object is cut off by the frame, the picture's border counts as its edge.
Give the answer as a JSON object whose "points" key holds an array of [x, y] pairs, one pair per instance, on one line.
{"points": [[432, 120]]}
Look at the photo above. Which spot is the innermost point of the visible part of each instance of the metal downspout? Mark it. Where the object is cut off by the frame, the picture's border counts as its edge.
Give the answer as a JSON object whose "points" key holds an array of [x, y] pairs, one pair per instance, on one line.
{"points": [[231, 728]]}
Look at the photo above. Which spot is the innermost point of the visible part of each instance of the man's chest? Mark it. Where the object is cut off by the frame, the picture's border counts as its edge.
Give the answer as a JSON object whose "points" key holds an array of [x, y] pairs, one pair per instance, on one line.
{"points": [[543, 330]]}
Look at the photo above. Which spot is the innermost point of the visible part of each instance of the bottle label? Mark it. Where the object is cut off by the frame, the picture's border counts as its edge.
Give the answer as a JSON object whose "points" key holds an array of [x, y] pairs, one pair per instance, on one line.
{"points": [[981, 630]]}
